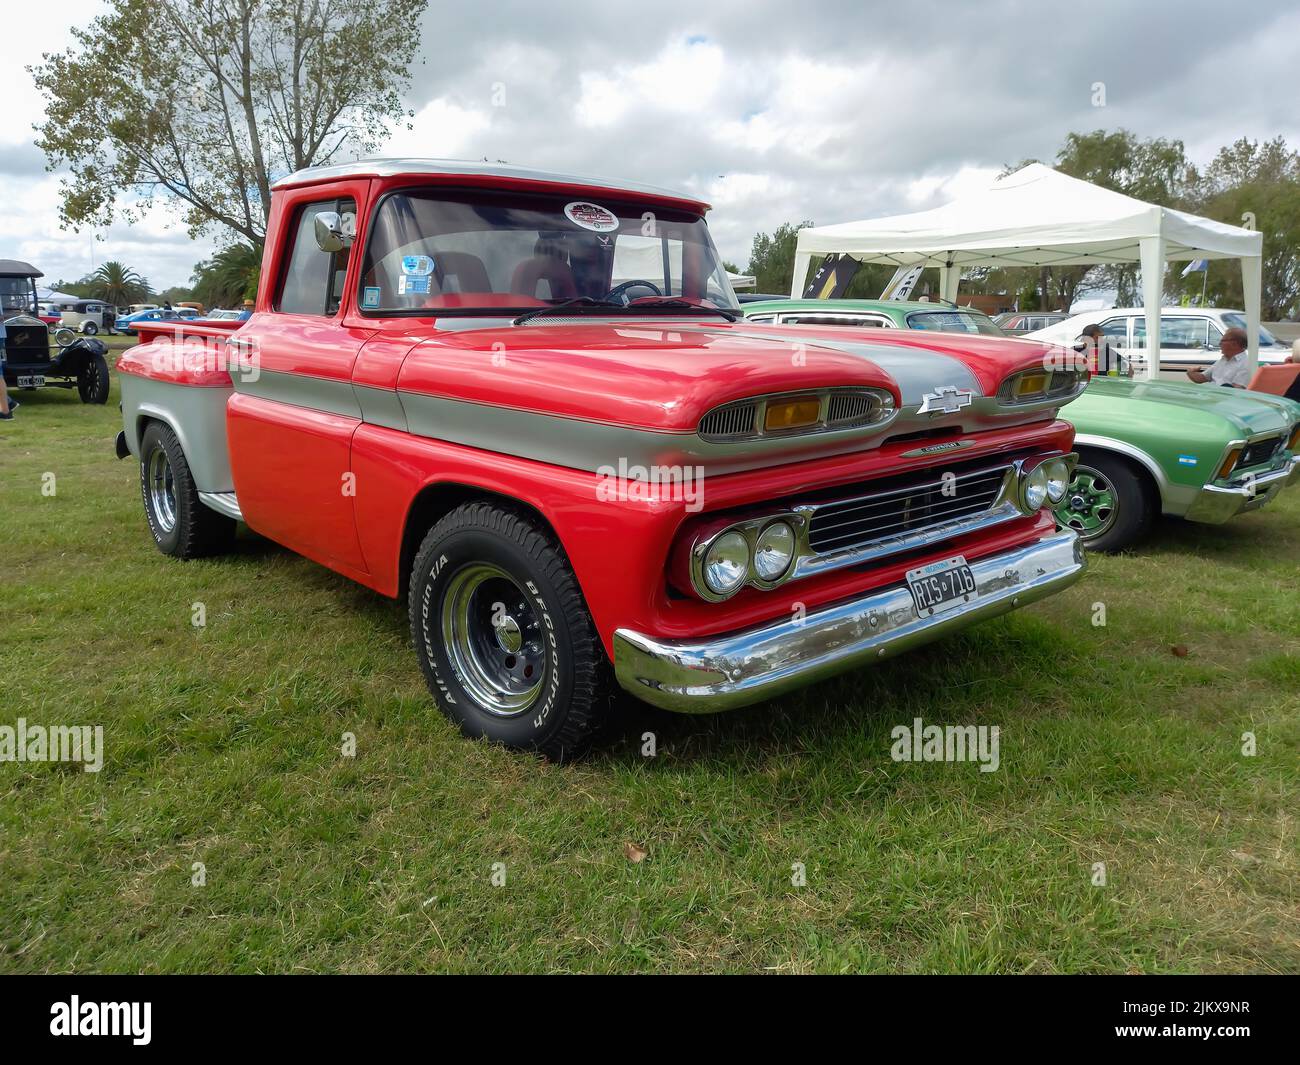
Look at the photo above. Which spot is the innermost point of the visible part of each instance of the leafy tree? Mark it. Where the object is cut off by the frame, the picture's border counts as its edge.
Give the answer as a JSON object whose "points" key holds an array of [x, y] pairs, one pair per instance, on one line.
{"points": [[116, 283], [217, 98], [229, 277], [771, 258], [1248, 178]]}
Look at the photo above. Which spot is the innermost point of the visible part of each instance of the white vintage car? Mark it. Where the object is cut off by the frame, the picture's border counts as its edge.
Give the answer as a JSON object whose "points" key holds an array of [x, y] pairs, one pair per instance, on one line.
{"points": [[1189, 336]]}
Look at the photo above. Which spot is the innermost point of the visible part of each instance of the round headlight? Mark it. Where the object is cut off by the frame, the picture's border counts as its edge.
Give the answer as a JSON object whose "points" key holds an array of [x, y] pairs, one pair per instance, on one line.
{"points": [[774, 551], [1035, 488], [1058, 479], [726, 563]]}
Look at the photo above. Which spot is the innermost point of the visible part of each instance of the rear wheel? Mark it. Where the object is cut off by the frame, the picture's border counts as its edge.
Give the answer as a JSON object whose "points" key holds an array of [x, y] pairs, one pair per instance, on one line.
{"points": [[1109, 504], [503, 634], [89, 328], [181, 525], [92, 380]]}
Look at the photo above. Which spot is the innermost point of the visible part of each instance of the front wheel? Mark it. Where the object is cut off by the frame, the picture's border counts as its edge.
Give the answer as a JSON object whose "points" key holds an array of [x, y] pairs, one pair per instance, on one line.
{"points": [[1109, 504], [181, 525], [503, 635], [92, 380]]}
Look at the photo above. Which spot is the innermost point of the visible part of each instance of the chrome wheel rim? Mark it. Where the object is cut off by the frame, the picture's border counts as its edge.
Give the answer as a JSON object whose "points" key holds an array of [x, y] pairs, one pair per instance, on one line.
{"points": [[162, 490], [494, 639], [1091, 506]]}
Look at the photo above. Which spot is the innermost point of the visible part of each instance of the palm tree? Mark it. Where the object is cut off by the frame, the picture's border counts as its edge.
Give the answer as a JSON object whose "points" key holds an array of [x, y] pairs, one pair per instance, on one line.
{"points": [[229, 277], [118, 284]]}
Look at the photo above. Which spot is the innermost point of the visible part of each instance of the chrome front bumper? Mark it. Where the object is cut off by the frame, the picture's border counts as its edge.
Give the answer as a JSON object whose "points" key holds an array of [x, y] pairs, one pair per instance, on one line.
{"points": [[735, 669], [1214, 505]]}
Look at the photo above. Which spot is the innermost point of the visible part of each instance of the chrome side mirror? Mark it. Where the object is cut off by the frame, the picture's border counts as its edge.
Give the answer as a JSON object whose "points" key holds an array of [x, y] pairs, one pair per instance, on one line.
{"points": [[330, 235]]}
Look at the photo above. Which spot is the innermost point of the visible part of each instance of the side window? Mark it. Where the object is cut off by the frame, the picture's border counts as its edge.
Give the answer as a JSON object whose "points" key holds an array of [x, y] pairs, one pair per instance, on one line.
{"points": [[1215, 335], [313, 279], [1116, 329], [1182, 334]]}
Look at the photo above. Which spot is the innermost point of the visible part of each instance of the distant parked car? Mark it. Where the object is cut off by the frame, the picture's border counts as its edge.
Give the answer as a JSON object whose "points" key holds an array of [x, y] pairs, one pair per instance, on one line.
{"points": [[89, 316], [886, 314], [1189, 336], [1014, 323], [226, 316], [126, 323]]}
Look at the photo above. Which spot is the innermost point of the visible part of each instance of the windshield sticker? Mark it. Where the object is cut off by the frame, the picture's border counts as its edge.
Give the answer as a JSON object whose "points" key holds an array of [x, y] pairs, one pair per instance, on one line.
{"points": [[370, 297], [417, 265], [408, 285], [591, 216]]}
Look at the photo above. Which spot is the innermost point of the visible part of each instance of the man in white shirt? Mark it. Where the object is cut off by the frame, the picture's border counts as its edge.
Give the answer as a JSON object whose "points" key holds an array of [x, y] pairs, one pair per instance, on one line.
{"points": [[1231, 368]]}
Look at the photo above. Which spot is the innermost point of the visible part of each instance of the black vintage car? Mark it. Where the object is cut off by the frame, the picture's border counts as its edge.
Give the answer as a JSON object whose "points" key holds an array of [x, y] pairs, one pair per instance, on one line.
{"points": [[78, 362]]}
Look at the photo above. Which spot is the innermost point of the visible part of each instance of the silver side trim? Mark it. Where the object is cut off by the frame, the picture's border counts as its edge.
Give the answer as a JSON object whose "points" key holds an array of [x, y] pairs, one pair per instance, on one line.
{"points": [[727, 671], [223, 503]]}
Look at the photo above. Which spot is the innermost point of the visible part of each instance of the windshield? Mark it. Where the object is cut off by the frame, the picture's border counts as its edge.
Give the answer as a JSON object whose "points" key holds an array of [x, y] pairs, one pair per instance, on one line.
{"points": [[17, 295], [466, 252], [1238, 321], [954, 322]]}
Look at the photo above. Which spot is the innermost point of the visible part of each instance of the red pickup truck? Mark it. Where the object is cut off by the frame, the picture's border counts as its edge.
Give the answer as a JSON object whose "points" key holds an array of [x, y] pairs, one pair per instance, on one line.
{"points": [[523, 401]]}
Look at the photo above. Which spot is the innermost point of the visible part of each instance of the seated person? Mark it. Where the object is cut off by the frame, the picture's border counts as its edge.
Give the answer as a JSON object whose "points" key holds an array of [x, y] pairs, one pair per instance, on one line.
{"points": [[1231, 369]]}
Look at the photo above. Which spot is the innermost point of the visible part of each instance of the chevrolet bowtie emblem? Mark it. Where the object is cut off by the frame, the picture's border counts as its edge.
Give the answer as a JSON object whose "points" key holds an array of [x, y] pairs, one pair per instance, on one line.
{"points": [[945, 400]]}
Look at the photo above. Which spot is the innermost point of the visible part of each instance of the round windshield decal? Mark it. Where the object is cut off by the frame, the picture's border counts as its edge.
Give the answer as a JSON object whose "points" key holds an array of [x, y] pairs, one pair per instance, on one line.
{"points": [[591, 216]]}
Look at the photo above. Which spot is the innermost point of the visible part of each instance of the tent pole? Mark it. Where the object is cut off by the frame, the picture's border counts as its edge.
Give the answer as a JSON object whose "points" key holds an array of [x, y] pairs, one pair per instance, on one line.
{"points": [[1252, 268], [1152, 256], [801, 261]]}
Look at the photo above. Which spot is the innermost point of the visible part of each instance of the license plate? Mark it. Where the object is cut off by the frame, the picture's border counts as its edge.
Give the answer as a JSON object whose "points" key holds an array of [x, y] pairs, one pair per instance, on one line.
{"points": [[941, 586], [31, 381]]}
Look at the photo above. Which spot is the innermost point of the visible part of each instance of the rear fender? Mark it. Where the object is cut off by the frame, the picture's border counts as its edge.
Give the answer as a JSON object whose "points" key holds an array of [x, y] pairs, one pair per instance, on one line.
{"points": [[196, 415]]}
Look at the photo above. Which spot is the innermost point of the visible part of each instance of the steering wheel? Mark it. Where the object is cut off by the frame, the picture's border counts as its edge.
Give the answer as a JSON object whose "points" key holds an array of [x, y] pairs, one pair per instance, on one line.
{"points": [[618, 291]]}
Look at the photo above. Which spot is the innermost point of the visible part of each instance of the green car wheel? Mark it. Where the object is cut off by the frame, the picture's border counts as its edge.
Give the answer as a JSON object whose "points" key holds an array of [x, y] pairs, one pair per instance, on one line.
{"points": [[1109, 504]]}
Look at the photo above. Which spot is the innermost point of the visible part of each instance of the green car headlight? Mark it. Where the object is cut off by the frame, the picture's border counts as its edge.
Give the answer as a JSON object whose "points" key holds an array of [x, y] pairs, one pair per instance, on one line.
{"points": [[1058, 479]]}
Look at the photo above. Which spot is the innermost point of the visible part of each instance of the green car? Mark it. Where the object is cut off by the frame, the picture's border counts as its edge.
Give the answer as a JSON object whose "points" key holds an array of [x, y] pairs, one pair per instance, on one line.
{"points": [[1198, 452]]}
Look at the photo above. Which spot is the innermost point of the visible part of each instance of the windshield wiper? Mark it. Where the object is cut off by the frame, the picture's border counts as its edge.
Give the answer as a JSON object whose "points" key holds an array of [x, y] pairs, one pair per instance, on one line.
{"points": [[674, 302], [577, 301]]}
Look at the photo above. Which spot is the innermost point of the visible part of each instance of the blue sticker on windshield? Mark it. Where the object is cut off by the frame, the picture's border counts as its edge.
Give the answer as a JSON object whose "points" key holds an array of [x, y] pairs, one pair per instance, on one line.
{"points": [[417, 265], [413, 286], [370, 297]]}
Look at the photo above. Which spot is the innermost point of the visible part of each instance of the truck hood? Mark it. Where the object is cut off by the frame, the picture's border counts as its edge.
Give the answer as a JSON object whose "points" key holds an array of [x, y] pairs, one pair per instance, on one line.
{"points": [[1248, 413], [665, 376]]}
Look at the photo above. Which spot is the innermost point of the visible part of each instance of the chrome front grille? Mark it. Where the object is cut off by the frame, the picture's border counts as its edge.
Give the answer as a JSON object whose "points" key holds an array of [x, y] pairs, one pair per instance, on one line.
{"points": [[1259, 452], [935, 500]]}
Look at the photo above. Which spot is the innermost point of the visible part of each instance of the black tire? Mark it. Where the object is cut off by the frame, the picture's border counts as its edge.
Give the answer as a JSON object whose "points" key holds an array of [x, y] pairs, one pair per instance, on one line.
{"points": [[185, 528], [526, 670], [1101, 476], [89, 328], [92, 380]]}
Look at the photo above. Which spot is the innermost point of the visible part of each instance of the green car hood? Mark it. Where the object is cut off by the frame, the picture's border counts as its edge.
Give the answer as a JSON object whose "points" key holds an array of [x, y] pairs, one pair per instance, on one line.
{"points": [[1173, 403], [1184, 428]]}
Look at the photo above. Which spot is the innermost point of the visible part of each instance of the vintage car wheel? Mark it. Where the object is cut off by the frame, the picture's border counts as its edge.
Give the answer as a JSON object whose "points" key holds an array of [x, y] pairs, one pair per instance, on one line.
{"points": [[92, 380], [181, 525], [1109, 504], [89, 328], [503, 635]]}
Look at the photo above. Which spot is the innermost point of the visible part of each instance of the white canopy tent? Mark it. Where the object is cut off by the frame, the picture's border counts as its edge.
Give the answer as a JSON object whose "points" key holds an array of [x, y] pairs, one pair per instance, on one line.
{"points": [[1040, 217]]}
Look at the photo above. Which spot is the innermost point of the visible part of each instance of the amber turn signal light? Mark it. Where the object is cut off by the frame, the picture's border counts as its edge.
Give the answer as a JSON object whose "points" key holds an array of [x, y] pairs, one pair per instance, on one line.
{"points": [[1294, 443], [1229, 462], [792, 414], [1029, 384]]}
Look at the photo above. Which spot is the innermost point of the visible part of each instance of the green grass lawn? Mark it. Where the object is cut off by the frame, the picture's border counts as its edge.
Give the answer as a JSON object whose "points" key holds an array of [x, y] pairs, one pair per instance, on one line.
{"points": [[223, 747]]}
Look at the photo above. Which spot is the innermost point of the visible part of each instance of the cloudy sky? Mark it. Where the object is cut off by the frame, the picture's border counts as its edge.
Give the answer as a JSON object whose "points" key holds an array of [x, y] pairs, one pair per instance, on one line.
{"points": [[828, 111]]}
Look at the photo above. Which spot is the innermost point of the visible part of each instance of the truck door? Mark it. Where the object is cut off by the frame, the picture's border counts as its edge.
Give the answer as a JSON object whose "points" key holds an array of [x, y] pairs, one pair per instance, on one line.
{"points": [[291, 419]]}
